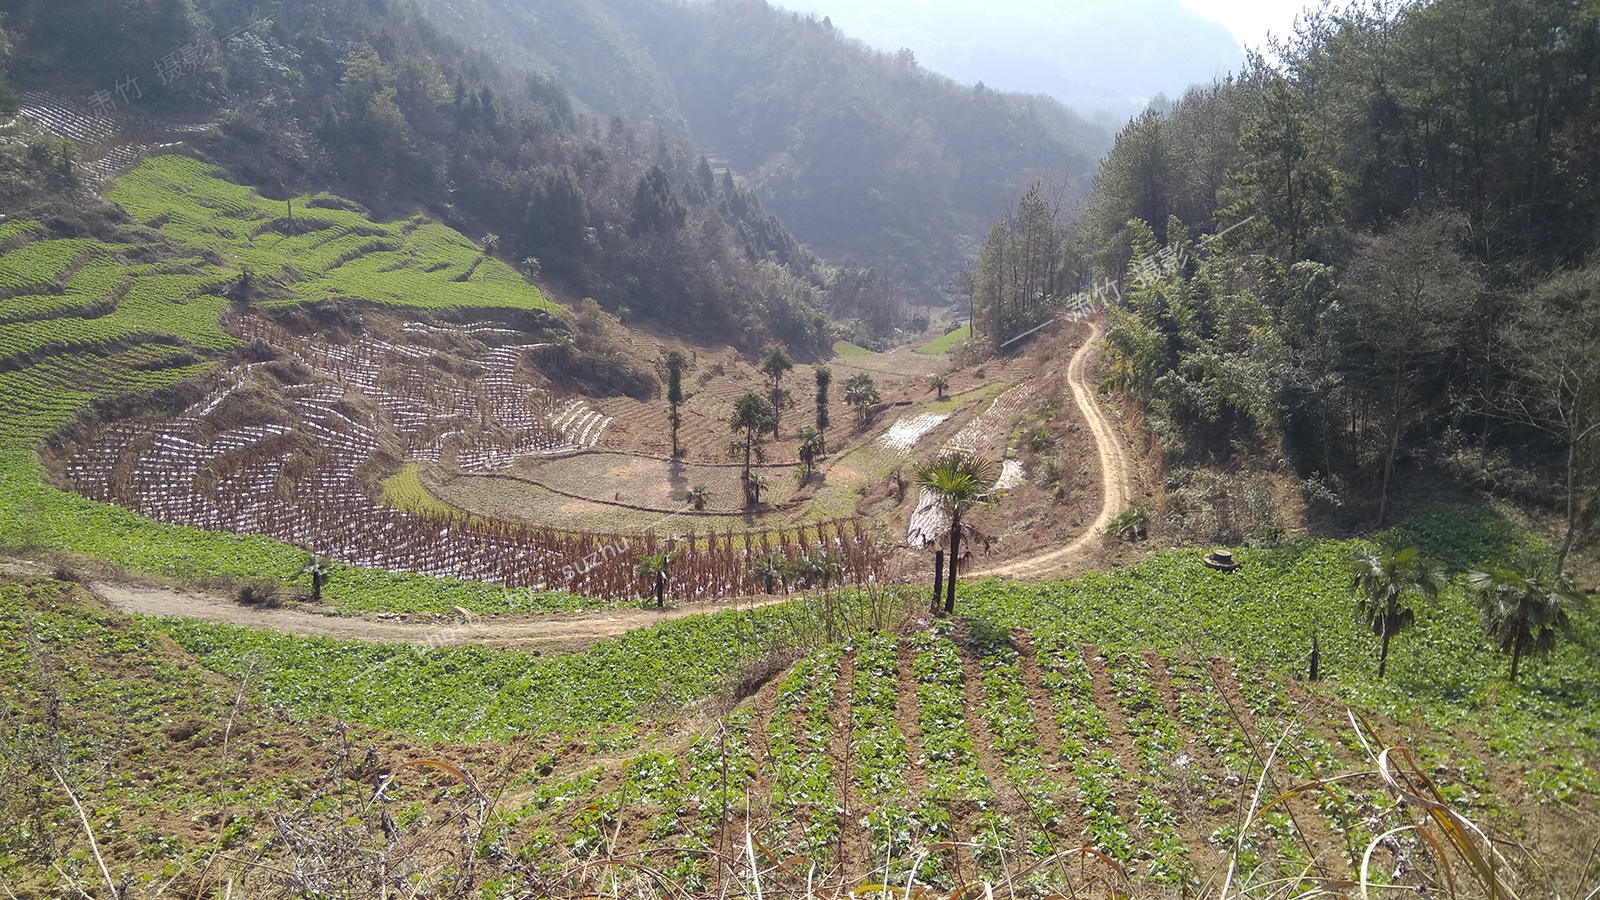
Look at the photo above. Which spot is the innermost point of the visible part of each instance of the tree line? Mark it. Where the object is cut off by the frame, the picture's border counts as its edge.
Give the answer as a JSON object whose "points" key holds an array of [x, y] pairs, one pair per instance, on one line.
{"points": [[1376, 253], [755, 413]]}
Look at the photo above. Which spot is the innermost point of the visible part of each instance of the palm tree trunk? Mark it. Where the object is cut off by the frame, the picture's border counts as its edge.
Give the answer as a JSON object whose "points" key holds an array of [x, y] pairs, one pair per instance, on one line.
{"points": [[1516, 656], [1383, 657], [938, 579], [955, 554]]}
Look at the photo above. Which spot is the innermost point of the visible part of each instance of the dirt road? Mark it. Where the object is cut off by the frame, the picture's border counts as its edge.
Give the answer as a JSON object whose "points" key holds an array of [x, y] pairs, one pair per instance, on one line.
{"points": [[1115, 476], [547, 633]]}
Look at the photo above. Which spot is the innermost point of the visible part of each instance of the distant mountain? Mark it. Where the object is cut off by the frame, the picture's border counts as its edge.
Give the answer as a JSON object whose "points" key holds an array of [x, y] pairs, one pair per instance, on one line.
{"points": [[1094, 57], [864, 155]]}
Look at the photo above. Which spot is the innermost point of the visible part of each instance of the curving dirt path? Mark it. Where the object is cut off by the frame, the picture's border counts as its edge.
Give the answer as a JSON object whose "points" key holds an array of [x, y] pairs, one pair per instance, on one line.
{"points": [[1115, 475], [539, 633]]}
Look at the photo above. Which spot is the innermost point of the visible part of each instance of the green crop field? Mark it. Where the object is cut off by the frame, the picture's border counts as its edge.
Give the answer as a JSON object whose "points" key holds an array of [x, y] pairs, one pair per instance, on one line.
{"points": [[945, 342], [1125, 711], [1442, 672], [39, 263], [332, 250]]}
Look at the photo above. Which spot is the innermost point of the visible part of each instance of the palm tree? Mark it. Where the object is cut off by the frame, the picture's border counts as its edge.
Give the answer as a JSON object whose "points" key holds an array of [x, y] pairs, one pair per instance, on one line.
{"points": [[561, 351], [940, 385], [654, 566], [810, 449], [828, 566], [769, 570], [753, 483], [1523, 607], [959, 482], [1381, 577], [698, 495], [861, 393], [320, 568]]}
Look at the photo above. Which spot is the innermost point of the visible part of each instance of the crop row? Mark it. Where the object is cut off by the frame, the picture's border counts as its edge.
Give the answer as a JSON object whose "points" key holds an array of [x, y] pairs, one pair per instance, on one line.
{"points": [[17, 231], [1157, 743], [879, 754], [94, 288], [1011, 718], [948, 753], [162, 306], [1086, 744], [1307, 756], [1205, 714], [798, 738], [40, 398], [39, 263]]}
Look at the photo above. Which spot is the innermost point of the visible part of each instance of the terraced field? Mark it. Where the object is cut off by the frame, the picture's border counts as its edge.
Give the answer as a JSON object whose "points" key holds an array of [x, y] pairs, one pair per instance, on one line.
{"points": [[328, 249], [260, 447], [83, 322]]}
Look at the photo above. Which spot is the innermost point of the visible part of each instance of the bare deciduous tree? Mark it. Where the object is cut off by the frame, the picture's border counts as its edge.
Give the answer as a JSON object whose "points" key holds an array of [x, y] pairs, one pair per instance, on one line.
{"points": [[1408, 292], [1554, 342]]}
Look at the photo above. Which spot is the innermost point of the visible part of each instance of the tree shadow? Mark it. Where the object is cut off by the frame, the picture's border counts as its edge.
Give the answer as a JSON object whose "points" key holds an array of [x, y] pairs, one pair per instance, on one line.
{"points": [[677, 481]]}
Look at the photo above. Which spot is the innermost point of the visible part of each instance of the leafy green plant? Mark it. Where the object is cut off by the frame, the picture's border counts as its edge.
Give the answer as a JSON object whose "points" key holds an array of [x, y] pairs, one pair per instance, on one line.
{"points": [[1039, 439], [1131, 524]]}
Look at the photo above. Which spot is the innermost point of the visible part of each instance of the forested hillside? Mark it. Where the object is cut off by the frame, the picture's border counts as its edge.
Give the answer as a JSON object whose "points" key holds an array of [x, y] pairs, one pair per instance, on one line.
{"points": [[373, 102], [1405, 280], [862, 154]]}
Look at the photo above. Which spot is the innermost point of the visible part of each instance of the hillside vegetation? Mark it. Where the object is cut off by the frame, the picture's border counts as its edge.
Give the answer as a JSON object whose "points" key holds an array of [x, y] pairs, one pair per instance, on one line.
{"points": [[376, 104], [1367, 265], [864, 155]]}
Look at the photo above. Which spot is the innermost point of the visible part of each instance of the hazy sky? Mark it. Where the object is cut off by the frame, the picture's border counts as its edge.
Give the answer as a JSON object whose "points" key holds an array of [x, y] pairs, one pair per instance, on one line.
{"points": [[1249, 20], [1094, 55]]}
